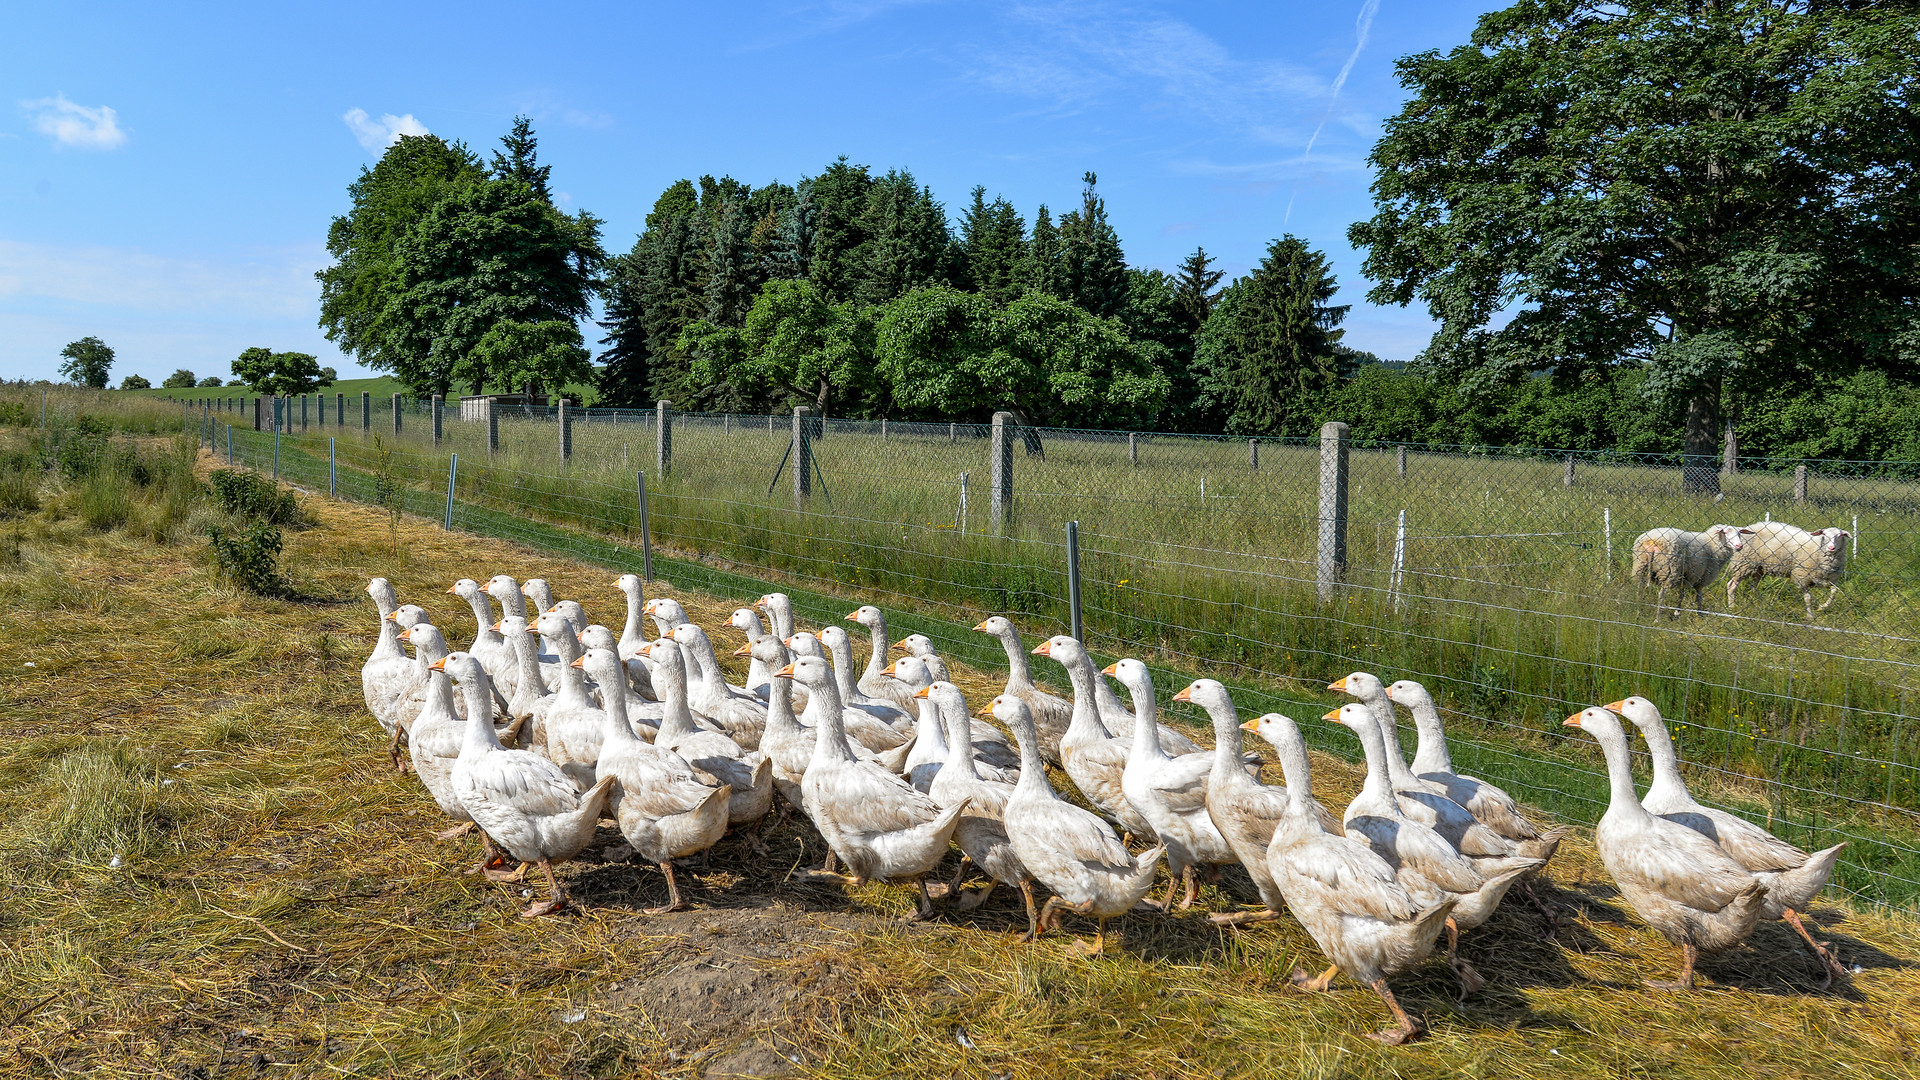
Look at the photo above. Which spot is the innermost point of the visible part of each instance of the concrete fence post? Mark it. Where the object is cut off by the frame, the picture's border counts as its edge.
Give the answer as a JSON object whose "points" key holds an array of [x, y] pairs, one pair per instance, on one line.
{"points": [[953, 433], [802, 451], [1566, 479], [1133, 448], [883, 431], [303, 413], [366, 412], [566, 432], [1335, 438], [439, 418], [1799, 483], [726, 423], [396, 416], [340, 410], [492, 416], [663, 439], [1000, 472], [1253, 453], [1402, 456]]}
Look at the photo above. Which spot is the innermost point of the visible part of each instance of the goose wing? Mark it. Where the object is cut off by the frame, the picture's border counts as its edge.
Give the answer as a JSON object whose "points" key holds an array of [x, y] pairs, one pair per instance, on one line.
{"points": [[524, 782]]}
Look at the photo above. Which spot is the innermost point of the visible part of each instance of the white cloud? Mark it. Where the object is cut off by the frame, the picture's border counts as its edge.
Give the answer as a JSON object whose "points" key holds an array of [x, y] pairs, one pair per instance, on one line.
{"points": [[70, 124], [377, 135]]}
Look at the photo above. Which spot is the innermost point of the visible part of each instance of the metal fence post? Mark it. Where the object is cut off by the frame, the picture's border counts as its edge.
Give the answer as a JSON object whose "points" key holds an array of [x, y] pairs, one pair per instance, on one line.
{"points": [[366, 412], [663, 439], [333, 468], [883, 431], [229, 445], [340, 410], [1402, 455], [1334, 440], [646, 529], [276, 453], [303, 412], [439, 418], [1000, 472], [1397, 579], [566, 432], [1606, 534], [396, 416], [1073, 580], [1799, 483], [960, 518], [802, 451], [1566, 479], [259, 413], [453, 477], [1253, 453]]}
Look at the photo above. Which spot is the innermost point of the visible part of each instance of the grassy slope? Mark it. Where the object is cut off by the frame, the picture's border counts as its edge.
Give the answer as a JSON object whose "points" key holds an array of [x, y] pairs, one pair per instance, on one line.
{"points": [[282, 901]]}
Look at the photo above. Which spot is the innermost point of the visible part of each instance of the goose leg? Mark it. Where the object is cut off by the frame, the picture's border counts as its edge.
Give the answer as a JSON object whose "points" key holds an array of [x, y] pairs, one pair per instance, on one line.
{"points": [[674, 902], [457, 831], [1546, 910], [1193, 887], [1405, 1031], [1165, 903], [969, 901], [1470, 980], [557, 896], [1242, 918], [926, 902], [1099, 943], [1048, 915], [959, 873], [400, 734], [1830, 966], [1688, 954], [752, 837], [1315, 984], [1033, 921]]}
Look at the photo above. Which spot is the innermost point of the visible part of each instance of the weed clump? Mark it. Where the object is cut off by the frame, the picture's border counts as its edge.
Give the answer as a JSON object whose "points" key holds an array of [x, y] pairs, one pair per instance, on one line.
{"points": [[100, 801], [249, 556], [250, 496]]}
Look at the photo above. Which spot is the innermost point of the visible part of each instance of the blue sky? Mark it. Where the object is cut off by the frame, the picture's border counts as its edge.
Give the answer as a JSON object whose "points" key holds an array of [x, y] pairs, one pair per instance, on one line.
{"points": [[167, 175]]}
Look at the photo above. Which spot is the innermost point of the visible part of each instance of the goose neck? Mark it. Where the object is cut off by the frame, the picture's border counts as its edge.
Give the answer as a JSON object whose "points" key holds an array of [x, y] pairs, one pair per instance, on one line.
{"points": [[1226, 743], [630, 632], [1430, 754], [1146, 722], [877, 658], [1086, 718], [1379, 784], [1018, 670], [1667, 781], [619, 731], [1393, 760], [1623, 801], [830, 739], [389, 644], [480, 736], [670, 679], [1033, 783]]}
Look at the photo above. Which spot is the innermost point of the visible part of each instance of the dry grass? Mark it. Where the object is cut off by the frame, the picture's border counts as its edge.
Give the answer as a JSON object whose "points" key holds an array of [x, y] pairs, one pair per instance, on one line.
{"points": [[280, 907]]}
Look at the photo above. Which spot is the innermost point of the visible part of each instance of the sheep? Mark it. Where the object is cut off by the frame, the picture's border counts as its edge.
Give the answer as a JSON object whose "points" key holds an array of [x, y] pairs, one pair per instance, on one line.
{"points": [[1675, 559], [1774, 548]]}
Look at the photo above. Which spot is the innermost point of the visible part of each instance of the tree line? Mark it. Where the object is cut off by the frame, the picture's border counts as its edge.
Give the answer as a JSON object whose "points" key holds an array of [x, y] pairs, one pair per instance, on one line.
{"points": [[1659, 226]]}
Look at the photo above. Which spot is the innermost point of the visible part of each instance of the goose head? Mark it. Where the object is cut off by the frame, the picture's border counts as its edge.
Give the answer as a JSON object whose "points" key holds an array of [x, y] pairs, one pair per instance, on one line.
{"points": [[1212, 696], [572, 612], [1015, 714], [538, 591], [999, 627], [596, 636], [1642, 712], [1060, 647], [461, 667], [602, 665], [554, 627], [1354, 717], [408, 615], [666, 613], [809, 671], [914, 645], [426, 638], [1134, 676], [910, 670], [501, 587], [382, 592], [1407, 692], [1599, 723], [768, 650], [745, 621], [805, 644], [468, 589], [628, 583], [837, 642], [1361, 685], [866, 615]]}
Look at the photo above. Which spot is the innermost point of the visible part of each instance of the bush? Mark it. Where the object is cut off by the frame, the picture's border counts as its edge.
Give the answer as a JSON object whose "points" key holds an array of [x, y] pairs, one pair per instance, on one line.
{"points": [[252, 497], [211, 380], [181, 379], [19, 484], [135, 382], [249, 558]]}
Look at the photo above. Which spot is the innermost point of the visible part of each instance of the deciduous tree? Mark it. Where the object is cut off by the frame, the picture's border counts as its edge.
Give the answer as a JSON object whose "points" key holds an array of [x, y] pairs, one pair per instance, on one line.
{"points": [[87, 362]]}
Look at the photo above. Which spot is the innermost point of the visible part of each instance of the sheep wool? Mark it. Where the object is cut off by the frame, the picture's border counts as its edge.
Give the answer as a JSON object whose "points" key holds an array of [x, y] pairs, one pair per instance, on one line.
{"points": [[1808, 559], [1676, 559]]}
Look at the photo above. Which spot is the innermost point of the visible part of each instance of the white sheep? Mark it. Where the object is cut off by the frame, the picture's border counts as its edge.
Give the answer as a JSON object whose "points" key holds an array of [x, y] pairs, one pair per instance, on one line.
{"points": [[1776, 549], [1676, 559]]}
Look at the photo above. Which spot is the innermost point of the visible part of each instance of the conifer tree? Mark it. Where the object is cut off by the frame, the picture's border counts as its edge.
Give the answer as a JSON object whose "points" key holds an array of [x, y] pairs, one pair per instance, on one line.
{"points": [[522, 160], [1267, 351], [1195, 289], [1096, 270], [1043, 270]]}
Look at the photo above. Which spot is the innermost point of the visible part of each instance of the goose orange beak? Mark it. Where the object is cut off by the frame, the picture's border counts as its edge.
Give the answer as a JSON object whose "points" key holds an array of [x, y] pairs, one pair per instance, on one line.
{"points": [[438, 665], [982, 626], [496, 626], [579, 662], [534, 631], [1185, 695], [1618, 706], [1334, 715], [453, 590], [901, 646], [922, 692], [784, 673], [1111, 669], [986, 710], [744, 650], [405, 635], [890, 669], [853, 617], [1045, 648], [393, 616], [1251, 725], [1571, 721], [1341, 685]]}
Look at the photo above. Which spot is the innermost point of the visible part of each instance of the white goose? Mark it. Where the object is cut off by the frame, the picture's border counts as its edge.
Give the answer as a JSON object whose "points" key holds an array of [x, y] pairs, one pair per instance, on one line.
{"points": [[730, 708], [1069, 850], [779, 609], [982, 835], [1171, 793], [930, 743], [1676, 879], [489, 647], [1095, 761], [920, 647], [1792, 877], [871, 818], [388, 672], [873, 681], [840, 648], [436, 734], [1051, 715], [868, 730], [1345, 895], [633, 637], [667, 614], [521, 800], [715, 757], [572, 725], [665, 812]]}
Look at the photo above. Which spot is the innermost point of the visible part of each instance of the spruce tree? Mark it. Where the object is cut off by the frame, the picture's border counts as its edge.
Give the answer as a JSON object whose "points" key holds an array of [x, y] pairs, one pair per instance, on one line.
{"points": [[732, 277], [1267, 352], [993, 247], [835, 258], [1096, 269], [522, 160], [1043, 270], [1195, 289], [906, 239]]}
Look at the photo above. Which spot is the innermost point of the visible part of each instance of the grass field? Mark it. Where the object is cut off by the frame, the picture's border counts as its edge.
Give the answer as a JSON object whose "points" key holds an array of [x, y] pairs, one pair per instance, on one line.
{"points": [[1515, 603], [279, 907]]}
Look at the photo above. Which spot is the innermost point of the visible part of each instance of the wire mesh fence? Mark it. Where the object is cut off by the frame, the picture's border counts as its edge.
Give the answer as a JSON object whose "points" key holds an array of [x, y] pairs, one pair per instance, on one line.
{"points": [[1504, 579]]}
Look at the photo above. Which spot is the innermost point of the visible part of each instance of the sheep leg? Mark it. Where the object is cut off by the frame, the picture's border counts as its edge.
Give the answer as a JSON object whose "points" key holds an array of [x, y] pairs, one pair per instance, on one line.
{"points": [[1660, 603], [1831, 595]]}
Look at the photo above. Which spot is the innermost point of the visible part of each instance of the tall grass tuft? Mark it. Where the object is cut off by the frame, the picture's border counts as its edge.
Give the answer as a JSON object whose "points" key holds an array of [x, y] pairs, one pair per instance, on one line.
{"points": [[98, 801]]}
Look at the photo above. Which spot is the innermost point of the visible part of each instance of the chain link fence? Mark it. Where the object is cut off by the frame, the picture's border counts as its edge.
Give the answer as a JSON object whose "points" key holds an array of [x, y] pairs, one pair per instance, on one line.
{"points": [[1501, 578]]}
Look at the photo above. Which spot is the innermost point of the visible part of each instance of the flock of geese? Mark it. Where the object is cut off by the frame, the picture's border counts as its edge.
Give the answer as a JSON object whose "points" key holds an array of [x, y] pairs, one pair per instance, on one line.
{"points": [[894, 770]]}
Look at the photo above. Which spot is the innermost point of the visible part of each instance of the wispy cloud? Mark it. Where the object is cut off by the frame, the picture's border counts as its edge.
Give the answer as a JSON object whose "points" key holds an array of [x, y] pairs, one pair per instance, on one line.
{"points": [[377, 135], [810, 18], [71, 124], [1362, 26]]}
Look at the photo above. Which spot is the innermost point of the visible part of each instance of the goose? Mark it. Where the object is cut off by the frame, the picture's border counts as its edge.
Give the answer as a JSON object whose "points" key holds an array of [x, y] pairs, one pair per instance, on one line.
{"points": [[786, 742], [1051, 715], [1094, 760], [840, 649], [1679, 881], [1118, 720], [1345, 896], [759, 677], [488, 647], [920, 647], [635, 673], [1244, 810], [664, 811], [994, 758], [667, 614], [572, 725], [1426, 801], [388, 672], [524, 802], [981, 835], [873, 681], [541, 594], [1792, 877], [779, 609], [1067, 849], [715, 756], [436, 733], [727, 707], [1171, 793], [877, 736], [633, 637], [871, 818], [532, 689], [1424, 863]]}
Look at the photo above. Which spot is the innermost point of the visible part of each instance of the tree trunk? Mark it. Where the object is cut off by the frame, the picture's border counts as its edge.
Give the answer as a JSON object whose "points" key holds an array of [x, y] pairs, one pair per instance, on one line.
{"points": [[1029, 432], [1730, 441], [1703, 417]]}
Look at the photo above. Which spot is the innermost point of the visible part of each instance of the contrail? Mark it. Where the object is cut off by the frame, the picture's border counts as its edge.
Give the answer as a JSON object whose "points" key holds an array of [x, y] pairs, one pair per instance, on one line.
{"points": [[1363, 25]]}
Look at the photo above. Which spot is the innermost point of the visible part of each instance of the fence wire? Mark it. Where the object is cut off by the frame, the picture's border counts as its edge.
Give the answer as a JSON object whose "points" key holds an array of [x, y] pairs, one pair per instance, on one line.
{"points": [[1501, 578]]}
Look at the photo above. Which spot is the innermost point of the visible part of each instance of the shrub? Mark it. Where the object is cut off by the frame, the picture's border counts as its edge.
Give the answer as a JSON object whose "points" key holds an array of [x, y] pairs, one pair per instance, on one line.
{"points": [[77, 450], [251, 496], [136, 382], [248, 558], [105, 500]]}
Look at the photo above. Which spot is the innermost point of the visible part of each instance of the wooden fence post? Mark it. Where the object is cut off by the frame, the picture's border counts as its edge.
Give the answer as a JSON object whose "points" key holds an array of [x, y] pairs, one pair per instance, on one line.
{"points": [[439, 418], [396, 416], [366, 412]]}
